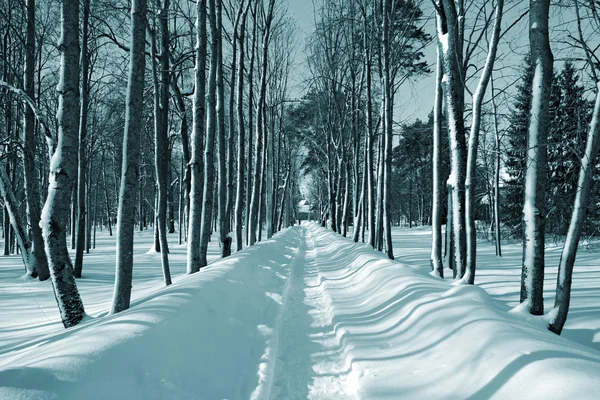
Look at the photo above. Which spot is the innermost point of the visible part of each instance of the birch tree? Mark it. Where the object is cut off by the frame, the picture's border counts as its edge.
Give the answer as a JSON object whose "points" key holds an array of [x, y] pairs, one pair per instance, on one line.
{"points": [[82, 159], [31, 173], [161, 138], [534, 207], [437, 266], [194, 256], [18, 226], [223, 215], [586, 171], [254, 225], [471, 231], [239, 35], [211, 129], [131, 154], [63, 167]]}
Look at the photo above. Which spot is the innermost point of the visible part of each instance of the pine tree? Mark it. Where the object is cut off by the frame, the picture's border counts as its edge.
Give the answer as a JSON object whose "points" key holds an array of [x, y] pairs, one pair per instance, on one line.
{"points": [[517, 145], [570, 114]]}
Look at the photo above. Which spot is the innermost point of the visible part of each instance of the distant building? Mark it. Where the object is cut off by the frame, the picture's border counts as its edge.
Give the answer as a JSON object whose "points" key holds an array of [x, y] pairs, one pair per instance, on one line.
{"points": [[304, 210]]}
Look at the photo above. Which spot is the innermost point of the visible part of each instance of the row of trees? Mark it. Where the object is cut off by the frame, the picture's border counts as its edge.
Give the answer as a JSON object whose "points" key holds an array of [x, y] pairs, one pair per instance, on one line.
{"points": [[361, 53], [193, 130], [209, 125], [359, 56], [550, 164]]}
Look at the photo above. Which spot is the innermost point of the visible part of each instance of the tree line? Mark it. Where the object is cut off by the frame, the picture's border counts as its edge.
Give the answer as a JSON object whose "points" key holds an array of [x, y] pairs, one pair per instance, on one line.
{"points": [[164, 112], [529, 172], [210, 136]]}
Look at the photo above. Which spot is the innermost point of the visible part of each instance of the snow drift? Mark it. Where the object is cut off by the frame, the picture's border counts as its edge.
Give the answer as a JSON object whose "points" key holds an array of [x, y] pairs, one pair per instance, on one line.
{"points": [[308, 314]]}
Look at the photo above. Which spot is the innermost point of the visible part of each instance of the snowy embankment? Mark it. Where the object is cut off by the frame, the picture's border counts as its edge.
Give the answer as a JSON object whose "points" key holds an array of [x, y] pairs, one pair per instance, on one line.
{"points": [[307, 314]]}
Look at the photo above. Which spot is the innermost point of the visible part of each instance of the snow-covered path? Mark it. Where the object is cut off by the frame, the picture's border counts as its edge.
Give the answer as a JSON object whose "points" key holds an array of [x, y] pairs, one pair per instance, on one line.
{"points": [[305, 315]]}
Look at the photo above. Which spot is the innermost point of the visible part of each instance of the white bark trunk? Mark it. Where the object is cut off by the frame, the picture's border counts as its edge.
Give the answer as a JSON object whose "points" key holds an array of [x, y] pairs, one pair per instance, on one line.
{"points": [[534, 207], [63, 169]]}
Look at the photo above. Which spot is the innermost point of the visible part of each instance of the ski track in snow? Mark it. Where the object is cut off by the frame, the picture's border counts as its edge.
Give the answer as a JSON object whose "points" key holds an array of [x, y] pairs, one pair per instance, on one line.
{"points": [[307, 314]]}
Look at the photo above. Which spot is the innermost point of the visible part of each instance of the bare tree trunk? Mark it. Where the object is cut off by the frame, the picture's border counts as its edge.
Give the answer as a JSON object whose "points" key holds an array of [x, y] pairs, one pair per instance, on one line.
{"points": [[130, 172], [379, 209], [18, 226], [346, 202], [211, 128], [232, 111], [82, 159], [106, 197], [31, 182], [249, 181], [437, 266], [180, 201], [73, 219], [256, 192], [55, 214], [569, 252], [369, 126], [498, 232], [161, 139], [534, 207], [450, 43], [388, 121], [194, 256], [224, 238], [584, 184], [239, 199], [470, 180]]}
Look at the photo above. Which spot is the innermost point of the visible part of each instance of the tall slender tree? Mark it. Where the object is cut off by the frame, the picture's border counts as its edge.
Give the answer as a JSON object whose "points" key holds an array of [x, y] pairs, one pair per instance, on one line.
{"points": [[63, 167], [534, 207], [239, 35], [211, 129], [130, 172], [194, 256], [82, 159], [31, 181]]}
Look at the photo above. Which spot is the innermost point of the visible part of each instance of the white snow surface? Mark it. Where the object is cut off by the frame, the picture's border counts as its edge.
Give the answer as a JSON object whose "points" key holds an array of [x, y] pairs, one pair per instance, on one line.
{"points": [[306, 315]]}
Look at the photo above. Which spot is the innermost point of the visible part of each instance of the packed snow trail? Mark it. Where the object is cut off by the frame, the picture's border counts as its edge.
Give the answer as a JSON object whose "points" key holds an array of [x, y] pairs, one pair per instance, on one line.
{"points": [[306, 315]]}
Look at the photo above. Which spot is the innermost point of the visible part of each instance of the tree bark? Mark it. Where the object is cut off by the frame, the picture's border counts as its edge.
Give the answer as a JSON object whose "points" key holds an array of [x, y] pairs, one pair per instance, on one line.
{"points": [[450, 43], [194, 256], [63, 167], [388, 110], [223, 190], [569, 252], [18, 226], [82, 159], [211, 128], [369, 133], [437, 266], [498, 232], [239, 199], [257, 180], [249, 182], [161, 139], [31, 181], [534, 207], [130, 172], [470, 180]]}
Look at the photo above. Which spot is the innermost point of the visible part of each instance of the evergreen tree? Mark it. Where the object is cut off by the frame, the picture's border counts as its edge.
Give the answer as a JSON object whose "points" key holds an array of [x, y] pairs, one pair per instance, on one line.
{"points": [[570, 118], [517, 145]]}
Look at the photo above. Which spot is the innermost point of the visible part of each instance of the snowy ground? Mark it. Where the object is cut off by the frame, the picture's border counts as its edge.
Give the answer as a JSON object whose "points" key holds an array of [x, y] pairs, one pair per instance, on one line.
{"points": [[501, 278], [307, 314]]}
